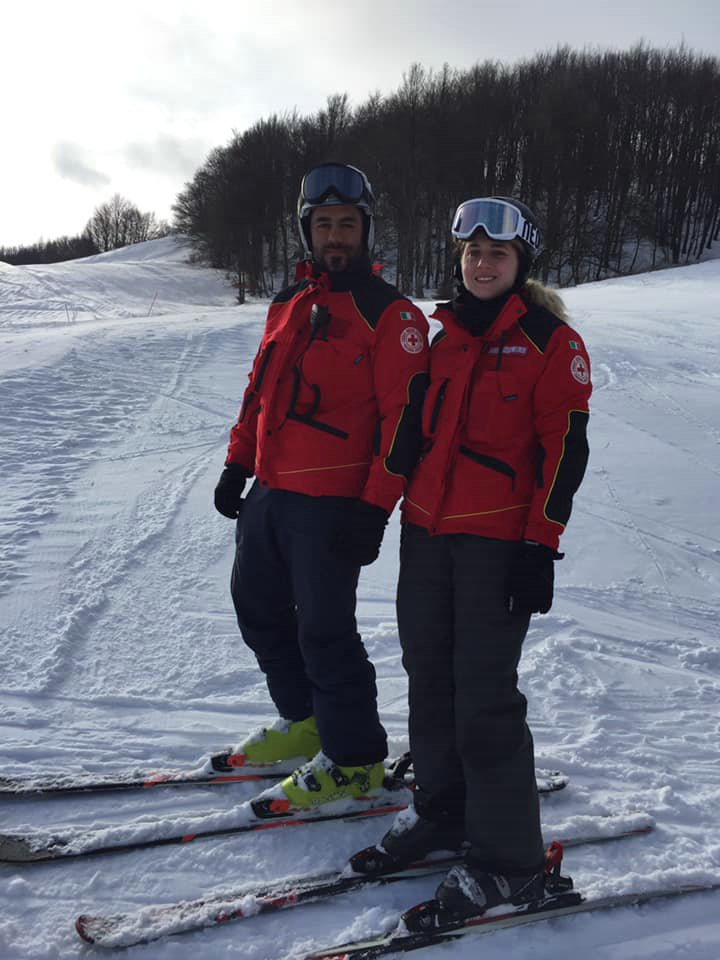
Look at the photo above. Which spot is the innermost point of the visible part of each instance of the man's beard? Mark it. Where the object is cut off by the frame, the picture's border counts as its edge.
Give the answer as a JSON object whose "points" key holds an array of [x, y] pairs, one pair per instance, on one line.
{"points": [[335, 259]]}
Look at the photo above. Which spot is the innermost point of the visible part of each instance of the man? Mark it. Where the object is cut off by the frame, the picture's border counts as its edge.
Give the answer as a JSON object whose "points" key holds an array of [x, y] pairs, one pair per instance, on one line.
{"points": [[330, 427]]}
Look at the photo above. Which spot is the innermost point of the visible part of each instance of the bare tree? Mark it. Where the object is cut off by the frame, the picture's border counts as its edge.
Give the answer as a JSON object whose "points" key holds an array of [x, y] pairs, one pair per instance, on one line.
{"points": [[119, 223]]}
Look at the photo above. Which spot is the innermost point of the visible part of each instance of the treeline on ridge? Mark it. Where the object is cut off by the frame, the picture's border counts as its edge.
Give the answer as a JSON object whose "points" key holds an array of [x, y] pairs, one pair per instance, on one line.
{"points": [[113, 224], [50, 251], [617, 151]]}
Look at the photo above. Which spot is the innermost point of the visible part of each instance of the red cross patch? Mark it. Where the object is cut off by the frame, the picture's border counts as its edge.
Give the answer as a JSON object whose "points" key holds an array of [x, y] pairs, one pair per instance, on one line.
{"points": [[579, 369], [411, 340]]}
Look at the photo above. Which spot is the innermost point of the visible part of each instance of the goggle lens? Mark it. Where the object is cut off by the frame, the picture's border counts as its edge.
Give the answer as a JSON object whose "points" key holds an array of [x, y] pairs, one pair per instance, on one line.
{"points": [[497, 218], [344, 182]]}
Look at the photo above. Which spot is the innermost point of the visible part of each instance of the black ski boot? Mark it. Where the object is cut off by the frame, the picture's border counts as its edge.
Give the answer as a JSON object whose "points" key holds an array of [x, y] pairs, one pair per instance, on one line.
{"points": [[471, 889], [410, 839]]}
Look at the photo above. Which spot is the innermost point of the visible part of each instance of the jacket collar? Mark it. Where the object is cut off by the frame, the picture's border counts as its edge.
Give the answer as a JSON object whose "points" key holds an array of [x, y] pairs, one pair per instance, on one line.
{"points": [[359, 272], [512, 310]]}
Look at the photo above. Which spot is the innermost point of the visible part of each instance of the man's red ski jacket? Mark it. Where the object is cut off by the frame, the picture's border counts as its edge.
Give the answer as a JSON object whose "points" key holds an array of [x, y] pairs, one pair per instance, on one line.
{"points": [[335, 394]]}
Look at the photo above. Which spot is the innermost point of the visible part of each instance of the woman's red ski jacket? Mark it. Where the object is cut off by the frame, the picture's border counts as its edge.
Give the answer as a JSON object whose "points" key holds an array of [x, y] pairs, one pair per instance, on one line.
{"points": [[504, 426]]}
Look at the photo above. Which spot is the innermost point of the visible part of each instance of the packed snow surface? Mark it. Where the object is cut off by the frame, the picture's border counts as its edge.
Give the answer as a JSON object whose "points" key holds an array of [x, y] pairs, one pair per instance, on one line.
{"points": [[120, 376]]}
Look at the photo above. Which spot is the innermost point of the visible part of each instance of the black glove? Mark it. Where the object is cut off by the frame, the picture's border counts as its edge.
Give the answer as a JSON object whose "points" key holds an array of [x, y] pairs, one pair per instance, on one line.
{"points": [[229, 489], [532, 577], [358, 540]]}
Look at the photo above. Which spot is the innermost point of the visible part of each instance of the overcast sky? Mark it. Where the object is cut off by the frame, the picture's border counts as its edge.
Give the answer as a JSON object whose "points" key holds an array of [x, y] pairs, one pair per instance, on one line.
{"points": [[129, 97]]}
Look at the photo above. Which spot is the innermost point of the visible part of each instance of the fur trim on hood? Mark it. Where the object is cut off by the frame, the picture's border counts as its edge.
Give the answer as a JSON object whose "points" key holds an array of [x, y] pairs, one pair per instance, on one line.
{"points": [[546, 297]]}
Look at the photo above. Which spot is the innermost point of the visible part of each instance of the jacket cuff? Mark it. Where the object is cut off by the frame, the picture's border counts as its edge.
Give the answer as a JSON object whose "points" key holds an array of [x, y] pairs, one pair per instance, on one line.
{"points": [[543, 534], [248, 471], [386, 500]]}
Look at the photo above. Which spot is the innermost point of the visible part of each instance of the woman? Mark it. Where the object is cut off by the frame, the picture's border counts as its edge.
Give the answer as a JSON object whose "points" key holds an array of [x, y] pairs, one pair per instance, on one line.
{"points": [[504, 426]]}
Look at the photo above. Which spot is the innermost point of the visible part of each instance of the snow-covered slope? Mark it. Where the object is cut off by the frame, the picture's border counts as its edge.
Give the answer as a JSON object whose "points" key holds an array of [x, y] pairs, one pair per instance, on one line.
{"points": [[147, 280], [120, 647]]}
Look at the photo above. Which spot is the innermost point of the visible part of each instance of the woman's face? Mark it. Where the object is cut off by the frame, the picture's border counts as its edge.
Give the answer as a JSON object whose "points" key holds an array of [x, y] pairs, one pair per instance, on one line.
{"points": [[489, 267]]}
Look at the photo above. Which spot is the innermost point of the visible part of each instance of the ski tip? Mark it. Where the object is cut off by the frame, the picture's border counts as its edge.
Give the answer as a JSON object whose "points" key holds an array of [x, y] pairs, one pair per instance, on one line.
{"points": [[329, 955], [20, 787], [19, 849], [10, 787], [82, 927], [642, 829]]}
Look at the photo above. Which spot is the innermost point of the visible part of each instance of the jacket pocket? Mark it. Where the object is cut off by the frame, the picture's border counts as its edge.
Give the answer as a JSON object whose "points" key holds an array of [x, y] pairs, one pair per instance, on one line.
{"points": [[342, 366], [318, 425], [492, 463], [495, 409]]}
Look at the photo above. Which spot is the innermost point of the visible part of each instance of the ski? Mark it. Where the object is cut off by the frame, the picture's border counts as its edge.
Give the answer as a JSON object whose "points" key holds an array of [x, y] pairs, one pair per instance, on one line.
{"points": [[249, 817], [155, 921], [553, 906], [39, 847], [219, 769]]}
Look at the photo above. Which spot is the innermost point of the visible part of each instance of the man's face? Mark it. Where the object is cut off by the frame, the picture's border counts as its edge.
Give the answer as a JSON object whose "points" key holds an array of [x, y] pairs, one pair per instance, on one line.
{"points": [[337, 236]]}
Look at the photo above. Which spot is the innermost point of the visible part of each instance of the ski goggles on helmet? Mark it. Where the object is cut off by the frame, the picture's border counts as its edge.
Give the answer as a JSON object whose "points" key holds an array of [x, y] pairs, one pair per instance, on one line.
{"points": [[347, 183], [500, 219]]}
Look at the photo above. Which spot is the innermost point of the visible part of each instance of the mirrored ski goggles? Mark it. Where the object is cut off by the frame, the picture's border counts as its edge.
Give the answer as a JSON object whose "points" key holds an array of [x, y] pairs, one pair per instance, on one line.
{"points": [[499, 219], [346, 183]]}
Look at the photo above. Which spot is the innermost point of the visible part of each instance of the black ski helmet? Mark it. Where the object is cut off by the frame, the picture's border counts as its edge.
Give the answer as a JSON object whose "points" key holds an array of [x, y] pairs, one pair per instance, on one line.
{"points": [[531, 244], [335, 184]]}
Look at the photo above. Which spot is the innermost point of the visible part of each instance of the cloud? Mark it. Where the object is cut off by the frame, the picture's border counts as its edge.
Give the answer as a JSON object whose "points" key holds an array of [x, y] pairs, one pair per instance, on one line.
{"points": [[70, 165], [166, 154]]}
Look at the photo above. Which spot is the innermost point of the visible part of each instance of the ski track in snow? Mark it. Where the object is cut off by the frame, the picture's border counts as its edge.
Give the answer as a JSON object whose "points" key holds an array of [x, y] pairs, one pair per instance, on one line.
{"points": [[121, 649]]}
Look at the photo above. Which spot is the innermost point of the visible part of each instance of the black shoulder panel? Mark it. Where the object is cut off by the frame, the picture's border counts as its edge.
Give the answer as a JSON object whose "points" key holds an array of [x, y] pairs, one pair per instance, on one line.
{"points": [[440, 335], [538, 325], [374, 297], [289, 292]]}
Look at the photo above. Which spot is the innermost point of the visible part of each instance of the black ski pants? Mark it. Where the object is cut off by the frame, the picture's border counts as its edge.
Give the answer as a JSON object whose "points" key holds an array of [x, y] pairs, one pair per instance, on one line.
{"points": [[295, 605], [471, 747]]}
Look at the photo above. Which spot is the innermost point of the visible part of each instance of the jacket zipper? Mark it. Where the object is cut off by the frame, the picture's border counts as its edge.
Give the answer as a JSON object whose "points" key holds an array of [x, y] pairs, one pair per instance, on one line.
{"points": [[253, 393], [438, 404], [263, 366]]}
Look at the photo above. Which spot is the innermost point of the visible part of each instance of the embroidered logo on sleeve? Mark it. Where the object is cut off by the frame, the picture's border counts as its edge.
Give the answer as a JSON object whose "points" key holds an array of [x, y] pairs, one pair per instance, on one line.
{"points": [[411, 340], [579, 370]]}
